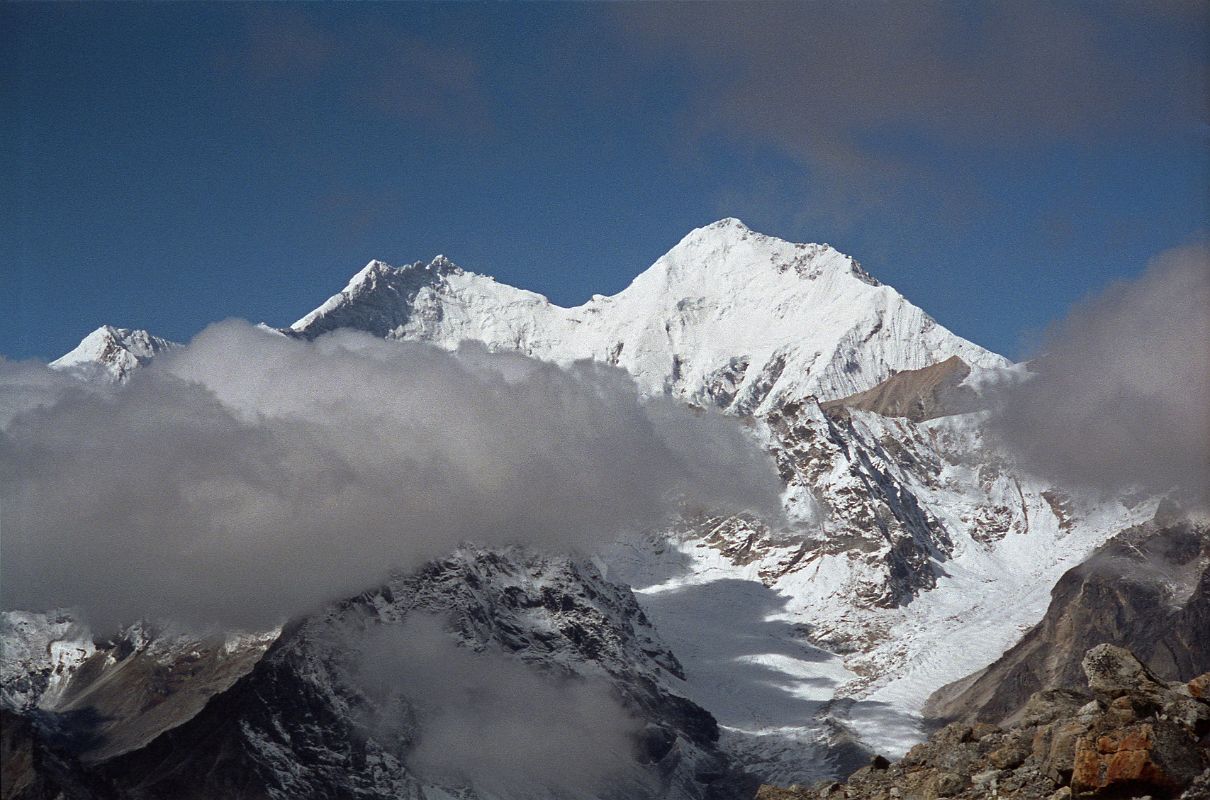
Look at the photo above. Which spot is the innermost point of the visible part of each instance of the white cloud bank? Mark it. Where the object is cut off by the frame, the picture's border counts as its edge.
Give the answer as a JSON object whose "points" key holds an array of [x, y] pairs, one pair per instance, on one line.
{"points": [[249, 477], [1121, 397]]}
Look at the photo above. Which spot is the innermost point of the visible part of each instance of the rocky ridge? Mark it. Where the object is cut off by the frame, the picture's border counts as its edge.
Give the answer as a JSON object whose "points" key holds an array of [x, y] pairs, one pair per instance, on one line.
{"points": [[917, 394], [301, 721]]}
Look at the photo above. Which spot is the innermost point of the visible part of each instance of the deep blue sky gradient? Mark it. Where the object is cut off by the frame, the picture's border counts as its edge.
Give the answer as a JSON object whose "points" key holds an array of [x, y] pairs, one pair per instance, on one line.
{"points": [[164, 166]]}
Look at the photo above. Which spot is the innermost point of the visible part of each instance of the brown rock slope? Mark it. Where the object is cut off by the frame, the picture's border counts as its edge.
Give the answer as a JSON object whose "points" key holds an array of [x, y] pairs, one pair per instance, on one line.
{"points": [[1134, 736], [918, 394], [1148, 589]]}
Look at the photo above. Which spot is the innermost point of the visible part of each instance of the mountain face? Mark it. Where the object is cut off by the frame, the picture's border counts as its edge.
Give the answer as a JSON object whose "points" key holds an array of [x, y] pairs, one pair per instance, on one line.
{"points": [[99, 699], [915, 551], [304, 720]]}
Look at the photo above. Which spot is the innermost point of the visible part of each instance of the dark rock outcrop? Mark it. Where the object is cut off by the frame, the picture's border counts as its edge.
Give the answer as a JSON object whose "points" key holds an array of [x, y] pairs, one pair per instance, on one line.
{"points": [[33, 769], [306, 721]]}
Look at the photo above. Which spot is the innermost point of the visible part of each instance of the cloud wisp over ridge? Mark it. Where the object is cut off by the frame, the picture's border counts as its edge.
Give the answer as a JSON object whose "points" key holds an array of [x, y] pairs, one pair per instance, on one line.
{"points": [[249, 477], [865, 94], [494, 723]]}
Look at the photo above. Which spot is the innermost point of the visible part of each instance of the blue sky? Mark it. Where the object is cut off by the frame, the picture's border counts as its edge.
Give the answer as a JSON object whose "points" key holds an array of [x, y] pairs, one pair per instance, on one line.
{"points": [[164, 166]]}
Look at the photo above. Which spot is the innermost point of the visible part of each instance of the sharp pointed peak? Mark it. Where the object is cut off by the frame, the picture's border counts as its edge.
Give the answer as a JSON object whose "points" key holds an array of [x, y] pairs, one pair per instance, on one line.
{"points": [[117, 350], [107, 331], [367, 273]]}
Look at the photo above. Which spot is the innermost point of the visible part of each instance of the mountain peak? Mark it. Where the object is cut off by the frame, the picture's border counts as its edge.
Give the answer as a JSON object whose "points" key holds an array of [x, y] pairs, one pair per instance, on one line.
{"points": [[377, 299], [115, 351], [728, 229], [728, 223], [728, 317], [727, 254], [367, 274], [368, 277]]}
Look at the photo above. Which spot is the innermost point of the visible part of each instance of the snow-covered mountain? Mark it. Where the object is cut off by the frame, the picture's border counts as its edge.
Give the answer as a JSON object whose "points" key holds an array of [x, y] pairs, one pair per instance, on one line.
{"points": [[915, 551], [887, 508], [113, 352], [728, 317]]}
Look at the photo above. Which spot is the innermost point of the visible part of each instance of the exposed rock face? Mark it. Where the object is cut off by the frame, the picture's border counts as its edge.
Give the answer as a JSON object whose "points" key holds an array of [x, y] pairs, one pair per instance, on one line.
{"points": [[32, 769], [1148, 589], [1135, 737], [101, 699], [874, 510], [917, 394]]}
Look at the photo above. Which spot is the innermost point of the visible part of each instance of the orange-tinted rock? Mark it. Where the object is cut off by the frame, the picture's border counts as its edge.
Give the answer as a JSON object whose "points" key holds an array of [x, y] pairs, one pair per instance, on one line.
{"points": [[1199, 687], [1154, 755]]}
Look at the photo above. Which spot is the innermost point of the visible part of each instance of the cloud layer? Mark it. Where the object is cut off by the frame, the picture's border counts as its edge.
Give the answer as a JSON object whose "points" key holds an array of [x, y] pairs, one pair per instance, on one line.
{"points": [[249, 477], [486, 720], [1121, 397]]}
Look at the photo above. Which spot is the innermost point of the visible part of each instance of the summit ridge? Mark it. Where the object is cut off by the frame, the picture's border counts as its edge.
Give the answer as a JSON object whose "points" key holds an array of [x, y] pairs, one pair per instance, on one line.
{"points": [[729, 318]]}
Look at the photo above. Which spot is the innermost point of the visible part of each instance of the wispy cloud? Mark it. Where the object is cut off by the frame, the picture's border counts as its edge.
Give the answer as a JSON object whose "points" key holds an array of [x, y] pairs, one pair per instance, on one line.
{"points": [[383, 68], [1120, 396], [493, 723], [876, 100]]}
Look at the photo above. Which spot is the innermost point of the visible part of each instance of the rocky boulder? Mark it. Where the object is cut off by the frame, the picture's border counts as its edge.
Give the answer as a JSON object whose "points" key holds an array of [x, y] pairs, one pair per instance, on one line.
{"points": [[1114, 672], [1156, 758]]}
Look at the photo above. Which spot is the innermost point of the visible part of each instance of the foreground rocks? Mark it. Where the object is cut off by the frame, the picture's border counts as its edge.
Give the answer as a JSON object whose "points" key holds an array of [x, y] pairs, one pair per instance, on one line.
{"points": [[1131, 736]]}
